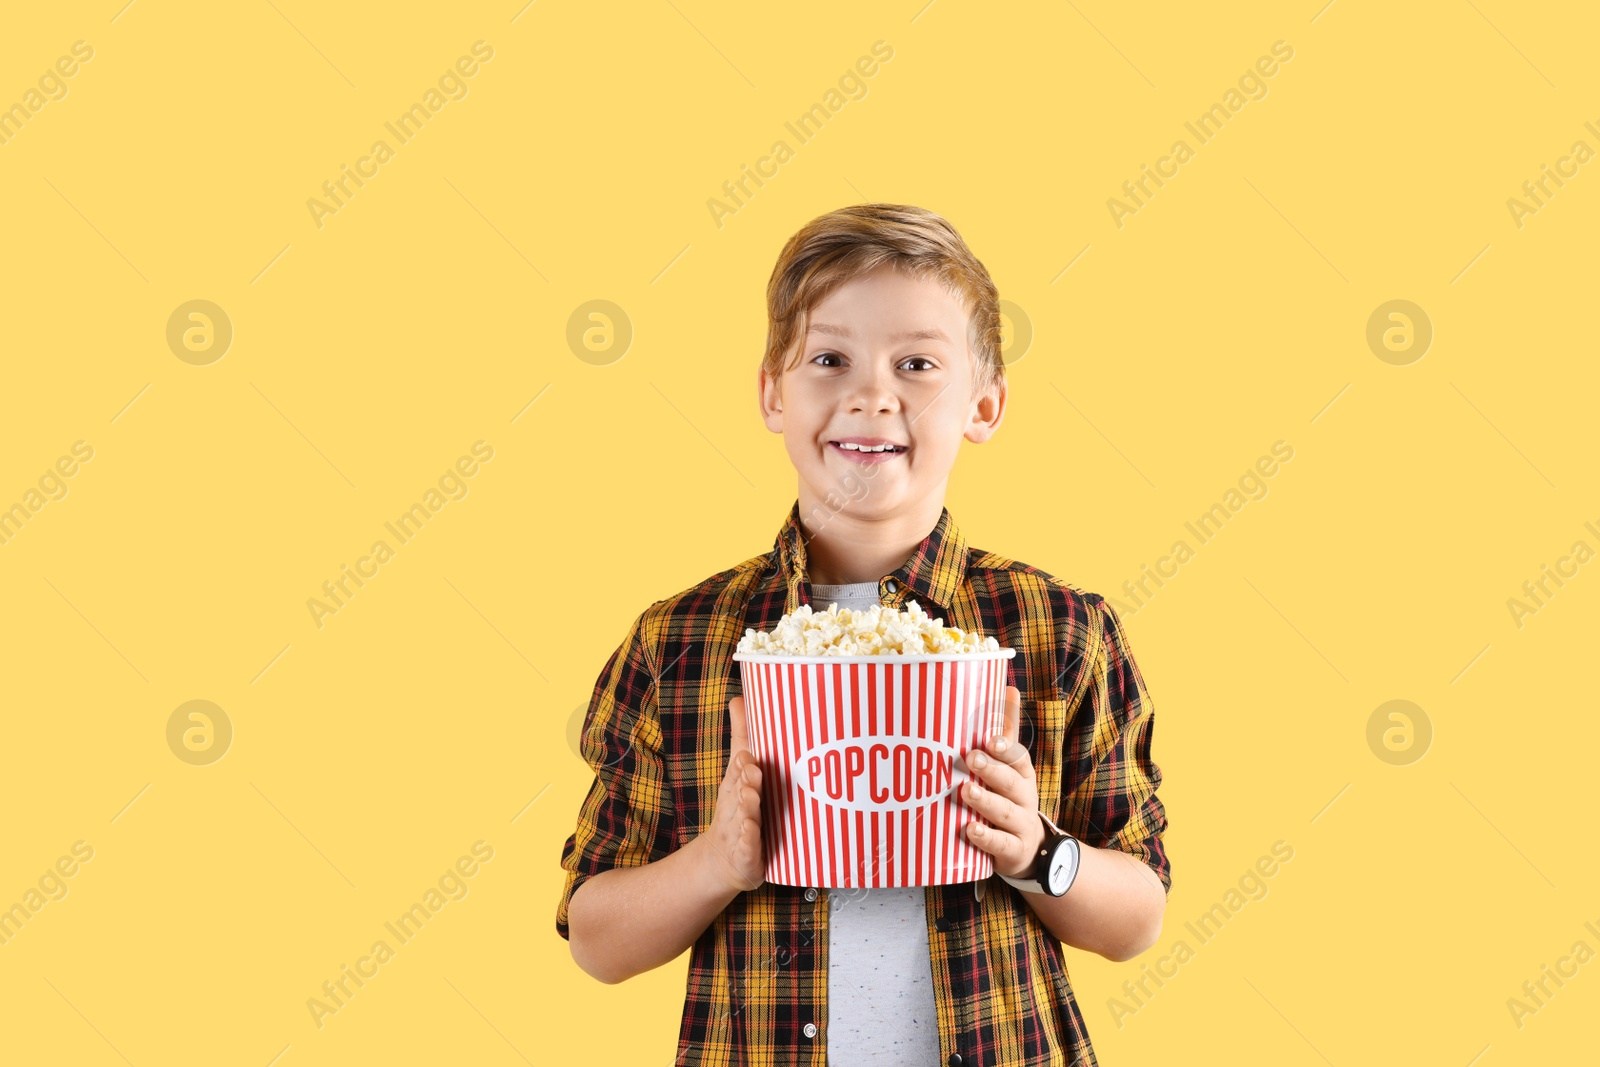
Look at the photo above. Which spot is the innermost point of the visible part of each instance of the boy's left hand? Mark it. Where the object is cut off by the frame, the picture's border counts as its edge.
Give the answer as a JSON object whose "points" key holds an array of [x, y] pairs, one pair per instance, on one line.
{"points": [[1004, 791]]}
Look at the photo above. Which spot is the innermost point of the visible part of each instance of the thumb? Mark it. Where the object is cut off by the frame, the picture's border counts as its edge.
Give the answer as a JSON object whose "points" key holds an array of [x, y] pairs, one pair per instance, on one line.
{"points": [[737, 726]]}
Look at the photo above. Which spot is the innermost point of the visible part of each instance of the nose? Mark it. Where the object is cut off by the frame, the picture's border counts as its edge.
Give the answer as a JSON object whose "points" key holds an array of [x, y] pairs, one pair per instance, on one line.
{"points": [[872, 389]]}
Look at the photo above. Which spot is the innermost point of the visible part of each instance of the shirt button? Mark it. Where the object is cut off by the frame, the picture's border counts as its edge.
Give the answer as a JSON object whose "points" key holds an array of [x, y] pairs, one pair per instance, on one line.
{"points": [[809, 1029], [891, 585], [811, 894], [942, 925], [955, 1060]]}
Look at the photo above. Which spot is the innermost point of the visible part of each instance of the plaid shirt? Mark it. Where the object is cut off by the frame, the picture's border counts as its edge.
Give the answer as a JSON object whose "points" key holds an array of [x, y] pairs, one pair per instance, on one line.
{"points": [[657, 736]]}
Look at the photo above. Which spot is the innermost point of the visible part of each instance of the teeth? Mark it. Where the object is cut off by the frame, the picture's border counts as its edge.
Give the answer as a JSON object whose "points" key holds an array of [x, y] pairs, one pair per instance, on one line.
{"points": [[868, 448]]}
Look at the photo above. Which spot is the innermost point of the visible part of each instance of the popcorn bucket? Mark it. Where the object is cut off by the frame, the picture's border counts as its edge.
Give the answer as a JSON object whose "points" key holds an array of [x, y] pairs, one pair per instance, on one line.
{"points": [[862, 758]]}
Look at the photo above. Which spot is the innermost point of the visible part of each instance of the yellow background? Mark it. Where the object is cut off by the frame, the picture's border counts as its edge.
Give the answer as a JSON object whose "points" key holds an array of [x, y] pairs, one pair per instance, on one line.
{"points": [[434, 710]]}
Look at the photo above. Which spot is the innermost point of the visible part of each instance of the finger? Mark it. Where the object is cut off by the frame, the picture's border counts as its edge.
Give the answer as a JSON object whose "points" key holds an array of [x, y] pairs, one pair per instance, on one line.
{"points": [[1010, 772], [735, 772], [1003, 812], [1006, 747], [1008, 750], [750, 837], [738, 728], [1005, 848]]}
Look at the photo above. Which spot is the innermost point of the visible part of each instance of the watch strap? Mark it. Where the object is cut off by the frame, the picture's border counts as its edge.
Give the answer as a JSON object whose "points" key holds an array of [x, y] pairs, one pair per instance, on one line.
{"points": [[1027, 885], [1034, 884]]}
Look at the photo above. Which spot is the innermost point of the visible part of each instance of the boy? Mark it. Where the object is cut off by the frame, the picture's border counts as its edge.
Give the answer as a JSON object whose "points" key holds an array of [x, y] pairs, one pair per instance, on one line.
{"points": [[884, 334]]}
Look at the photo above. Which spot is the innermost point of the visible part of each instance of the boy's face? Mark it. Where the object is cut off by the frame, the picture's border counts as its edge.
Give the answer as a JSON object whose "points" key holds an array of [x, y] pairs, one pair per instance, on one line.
{"points": [[864, 373]]}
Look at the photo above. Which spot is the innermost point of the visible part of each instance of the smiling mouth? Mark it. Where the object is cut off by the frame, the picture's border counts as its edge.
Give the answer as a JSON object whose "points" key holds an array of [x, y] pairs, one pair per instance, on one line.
{"points": [[869, 450]]}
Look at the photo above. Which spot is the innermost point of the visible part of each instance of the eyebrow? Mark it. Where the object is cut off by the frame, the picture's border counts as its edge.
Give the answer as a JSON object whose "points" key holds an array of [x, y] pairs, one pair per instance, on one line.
{"points": [[933, 334]]}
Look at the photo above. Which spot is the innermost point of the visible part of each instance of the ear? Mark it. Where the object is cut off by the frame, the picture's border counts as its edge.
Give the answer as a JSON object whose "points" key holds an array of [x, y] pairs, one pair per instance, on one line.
{"points": [[987, 411], [769, 396]]}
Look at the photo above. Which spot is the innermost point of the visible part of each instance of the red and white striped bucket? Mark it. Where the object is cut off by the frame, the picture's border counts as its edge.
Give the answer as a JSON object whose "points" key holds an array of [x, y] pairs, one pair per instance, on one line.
{"points": [[861, 760]]}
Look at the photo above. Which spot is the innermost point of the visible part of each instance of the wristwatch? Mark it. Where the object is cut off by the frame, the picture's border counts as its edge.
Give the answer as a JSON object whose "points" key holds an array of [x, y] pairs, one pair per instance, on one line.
{"points": [[1057, 863]]}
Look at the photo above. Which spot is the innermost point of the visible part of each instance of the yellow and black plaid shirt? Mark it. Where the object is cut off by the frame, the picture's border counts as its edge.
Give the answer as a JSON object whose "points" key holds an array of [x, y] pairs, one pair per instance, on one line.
{"points": [[657, 736]]}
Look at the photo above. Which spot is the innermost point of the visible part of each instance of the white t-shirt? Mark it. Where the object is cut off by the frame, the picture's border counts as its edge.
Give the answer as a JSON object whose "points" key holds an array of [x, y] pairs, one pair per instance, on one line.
{"points": [[881, 1008]]}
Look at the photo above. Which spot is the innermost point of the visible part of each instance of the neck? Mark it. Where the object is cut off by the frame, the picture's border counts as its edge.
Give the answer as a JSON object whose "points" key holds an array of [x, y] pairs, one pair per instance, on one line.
{"points": [[847, 549]]}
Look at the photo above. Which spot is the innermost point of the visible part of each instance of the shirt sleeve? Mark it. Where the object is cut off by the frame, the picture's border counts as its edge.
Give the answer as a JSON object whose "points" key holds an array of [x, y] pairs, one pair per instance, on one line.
{"points": [[626, 819], [1111, 802]]}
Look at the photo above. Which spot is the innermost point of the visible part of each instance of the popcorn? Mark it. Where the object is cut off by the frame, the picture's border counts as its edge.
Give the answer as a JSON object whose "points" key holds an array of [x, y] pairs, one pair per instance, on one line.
{"points": [[877, 631]]}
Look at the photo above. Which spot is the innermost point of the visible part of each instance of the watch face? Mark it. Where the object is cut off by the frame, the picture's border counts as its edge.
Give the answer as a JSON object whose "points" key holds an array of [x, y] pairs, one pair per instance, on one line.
{"points": [[1062, 867]]}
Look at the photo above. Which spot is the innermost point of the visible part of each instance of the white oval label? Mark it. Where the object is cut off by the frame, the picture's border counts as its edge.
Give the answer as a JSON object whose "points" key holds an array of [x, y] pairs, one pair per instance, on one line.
{"points": [[879, 773]]}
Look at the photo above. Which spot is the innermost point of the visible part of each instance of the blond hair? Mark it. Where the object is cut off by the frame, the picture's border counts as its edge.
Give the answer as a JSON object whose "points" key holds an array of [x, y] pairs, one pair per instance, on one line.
{"points": [[832, 249]]}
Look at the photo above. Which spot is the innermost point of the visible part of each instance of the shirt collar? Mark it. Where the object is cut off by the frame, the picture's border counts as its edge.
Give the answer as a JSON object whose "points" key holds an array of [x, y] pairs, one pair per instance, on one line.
{"points": [[930, 575]]}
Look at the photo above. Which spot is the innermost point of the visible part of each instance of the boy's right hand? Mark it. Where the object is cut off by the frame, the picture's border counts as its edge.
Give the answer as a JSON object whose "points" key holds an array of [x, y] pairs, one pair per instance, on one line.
{"points": [[735, 834]]}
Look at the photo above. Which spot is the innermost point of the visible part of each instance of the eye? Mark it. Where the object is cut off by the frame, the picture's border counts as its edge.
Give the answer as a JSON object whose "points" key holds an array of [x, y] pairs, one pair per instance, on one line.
{"points": [[925, 359], [824, 355]]}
